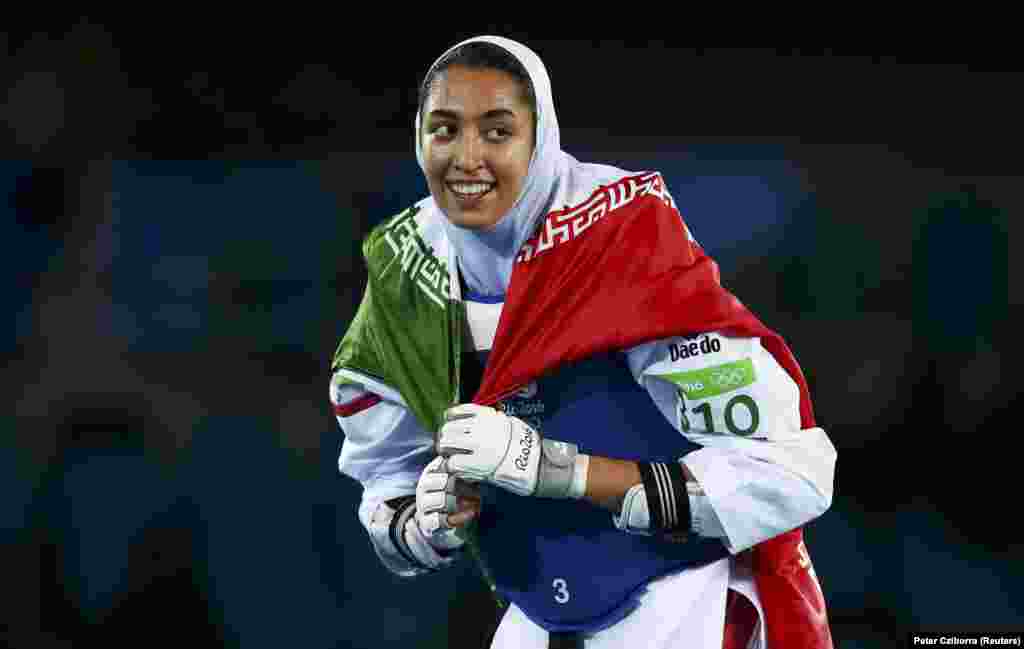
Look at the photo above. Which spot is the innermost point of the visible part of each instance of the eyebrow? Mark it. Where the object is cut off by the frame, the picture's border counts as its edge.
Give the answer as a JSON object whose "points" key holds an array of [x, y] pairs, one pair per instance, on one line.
{"points": [[491, 114]]}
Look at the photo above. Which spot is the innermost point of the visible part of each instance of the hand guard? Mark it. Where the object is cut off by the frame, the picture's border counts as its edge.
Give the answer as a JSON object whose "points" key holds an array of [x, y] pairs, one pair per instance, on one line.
{"points": [[398, 541], [485, 445], [435, 499]]}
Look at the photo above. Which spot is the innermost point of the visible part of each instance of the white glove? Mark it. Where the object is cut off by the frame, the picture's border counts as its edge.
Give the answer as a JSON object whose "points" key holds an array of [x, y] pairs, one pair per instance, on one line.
{"points": [[400, 544], [436, 498], [485, 445]]}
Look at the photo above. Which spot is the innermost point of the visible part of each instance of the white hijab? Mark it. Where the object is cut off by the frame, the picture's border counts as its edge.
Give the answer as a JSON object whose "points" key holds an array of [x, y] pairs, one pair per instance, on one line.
{"points": [[486, 256]]}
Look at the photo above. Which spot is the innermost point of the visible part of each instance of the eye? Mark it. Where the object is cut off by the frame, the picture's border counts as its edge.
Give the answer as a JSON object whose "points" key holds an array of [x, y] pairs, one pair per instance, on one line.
{"points": [[498, 133], [442, 131]]}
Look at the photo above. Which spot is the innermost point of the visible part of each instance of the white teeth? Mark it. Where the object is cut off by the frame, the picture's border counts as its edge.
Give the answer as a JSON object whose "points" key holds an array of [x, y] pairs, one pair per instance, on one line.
{"points": [[470, 189]]}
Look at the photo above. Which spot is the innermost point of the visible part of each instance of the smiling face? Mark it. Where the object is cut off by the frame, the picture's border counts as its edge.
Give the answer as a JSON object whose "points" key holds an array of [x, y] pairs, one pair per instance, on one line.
{"points": [[477, 139]]}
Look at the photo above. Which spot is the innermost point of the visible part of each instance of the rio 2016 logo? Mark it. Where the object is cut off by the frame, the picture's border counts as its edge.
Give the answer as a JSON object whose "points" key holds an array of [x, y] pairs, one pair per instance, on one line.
{"points": [[526, 444]]}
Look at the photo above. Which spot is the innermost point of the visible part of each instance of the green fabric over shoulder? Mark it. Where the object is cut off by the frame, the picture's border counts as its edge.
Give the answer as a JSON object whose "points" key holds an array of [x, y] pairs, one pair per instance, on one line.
{"points": [[407, 332]]}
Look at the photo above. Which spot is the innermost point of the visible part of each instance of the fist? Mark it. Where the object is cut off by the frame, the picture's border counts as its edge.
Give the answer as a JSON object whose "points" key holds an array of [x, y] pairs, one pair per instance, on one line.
{"points": [[444, 504], [482, 444]]}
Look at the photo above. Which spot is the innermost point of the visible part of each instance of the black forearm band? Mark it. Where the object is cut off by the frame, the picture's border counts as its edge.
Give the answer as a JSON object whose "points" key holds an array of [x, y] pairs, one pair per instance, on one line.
{"points": [[667, 501], [397, 528]]}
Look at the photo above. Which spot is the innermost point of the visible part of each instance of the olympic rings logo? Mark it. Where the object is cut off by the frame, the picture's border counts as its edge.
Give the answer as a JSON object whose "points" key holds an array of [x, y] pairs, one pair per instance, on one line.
{"points": [[728, 377]]}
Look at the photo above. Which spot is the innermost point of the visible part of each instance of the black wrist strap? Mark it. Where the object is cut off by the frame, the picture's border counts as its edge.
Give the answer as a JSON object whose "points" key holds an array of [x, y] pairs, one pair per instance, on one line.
{"points": [[667, 501], [397, 528]]}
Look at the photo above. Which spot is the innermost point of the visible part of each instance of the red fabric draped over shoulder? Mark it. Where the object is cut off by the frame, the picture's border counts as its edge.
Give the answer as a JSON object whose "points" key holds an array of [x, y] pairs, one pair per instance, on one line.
{"points": [[619, 270]]}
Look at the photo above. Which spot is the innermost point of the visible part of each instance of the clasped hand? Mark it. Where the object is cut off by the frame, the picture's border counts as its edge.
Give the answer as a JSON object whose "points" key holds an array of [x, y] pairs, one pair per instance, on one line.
{"points": [[482, 444], [473, 444]]}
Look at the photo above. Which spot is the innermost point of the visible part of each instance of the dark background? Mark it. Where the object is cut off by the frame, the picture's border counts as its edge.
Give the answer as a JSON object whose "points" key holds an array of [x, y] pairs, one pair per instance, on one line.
{"points": [[182, 210]]}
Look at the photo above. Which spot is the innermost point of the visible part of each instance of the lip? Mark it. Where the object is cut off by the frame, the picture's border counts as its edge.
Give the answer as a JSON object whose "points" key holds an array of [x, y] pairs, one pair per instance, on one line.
{"points": [[469, 201]]}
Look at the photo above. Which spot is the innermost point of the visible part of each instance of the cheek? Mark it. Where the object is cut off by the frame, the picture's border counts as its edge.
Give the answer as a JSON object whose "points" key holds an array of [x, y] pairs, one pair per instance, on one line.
{"points": [[520, 164], [436, 164]]}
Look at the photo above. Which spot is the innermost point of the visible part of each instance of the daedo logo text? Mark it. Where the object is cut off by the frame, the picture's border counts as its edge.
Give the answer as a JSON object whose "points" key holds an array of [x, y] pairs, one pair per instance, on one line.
{"points": [[706, 345]]}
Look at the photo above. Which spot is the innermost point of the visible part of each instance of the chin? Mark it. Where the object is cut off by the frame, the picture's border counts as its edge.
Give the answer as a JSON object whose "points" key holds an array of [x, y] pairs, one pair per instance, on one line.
{"points": [[471, 220], [477, 223]]}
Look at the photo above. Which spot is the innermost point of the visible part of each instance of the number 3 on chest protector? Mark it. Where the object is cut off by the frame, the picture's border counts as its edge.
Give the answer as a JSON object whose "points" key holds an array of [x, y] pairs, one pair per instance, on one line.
{"points": [[561, 593]]}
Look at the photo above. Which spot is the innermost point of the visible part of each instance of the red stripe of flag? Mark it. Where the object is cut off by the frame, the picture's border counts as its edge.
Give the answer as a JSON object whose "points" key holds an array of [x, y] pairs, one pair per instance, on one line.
{"points": [[358, 405]]}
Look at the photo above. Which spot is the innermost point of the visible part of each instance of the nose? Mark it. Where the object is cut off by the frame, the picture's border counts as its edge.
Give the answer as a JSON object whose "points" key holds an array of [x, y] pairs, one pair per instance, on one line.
{"points": [[468, 152]]}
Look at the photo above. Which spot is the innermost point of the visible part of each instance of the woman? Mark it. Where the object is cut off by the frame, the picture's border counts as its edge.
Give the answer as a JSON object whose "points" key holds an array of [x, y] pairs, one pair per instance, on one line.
{"points": [[635, 450]]}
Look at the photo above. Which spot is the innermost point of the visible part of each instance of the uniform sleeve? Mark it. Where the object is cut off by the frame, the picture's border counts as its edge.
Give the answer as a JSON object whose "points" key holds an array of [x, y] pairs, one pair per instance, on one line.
{"points": [[760, 473], [385, 450]]}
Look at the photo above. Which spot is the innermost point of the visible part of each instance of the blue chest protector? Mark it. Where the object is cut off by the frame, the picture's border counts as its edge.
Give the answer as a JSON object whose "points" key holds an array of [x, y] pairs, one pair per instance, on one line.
{"points": [[563, 562]]}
